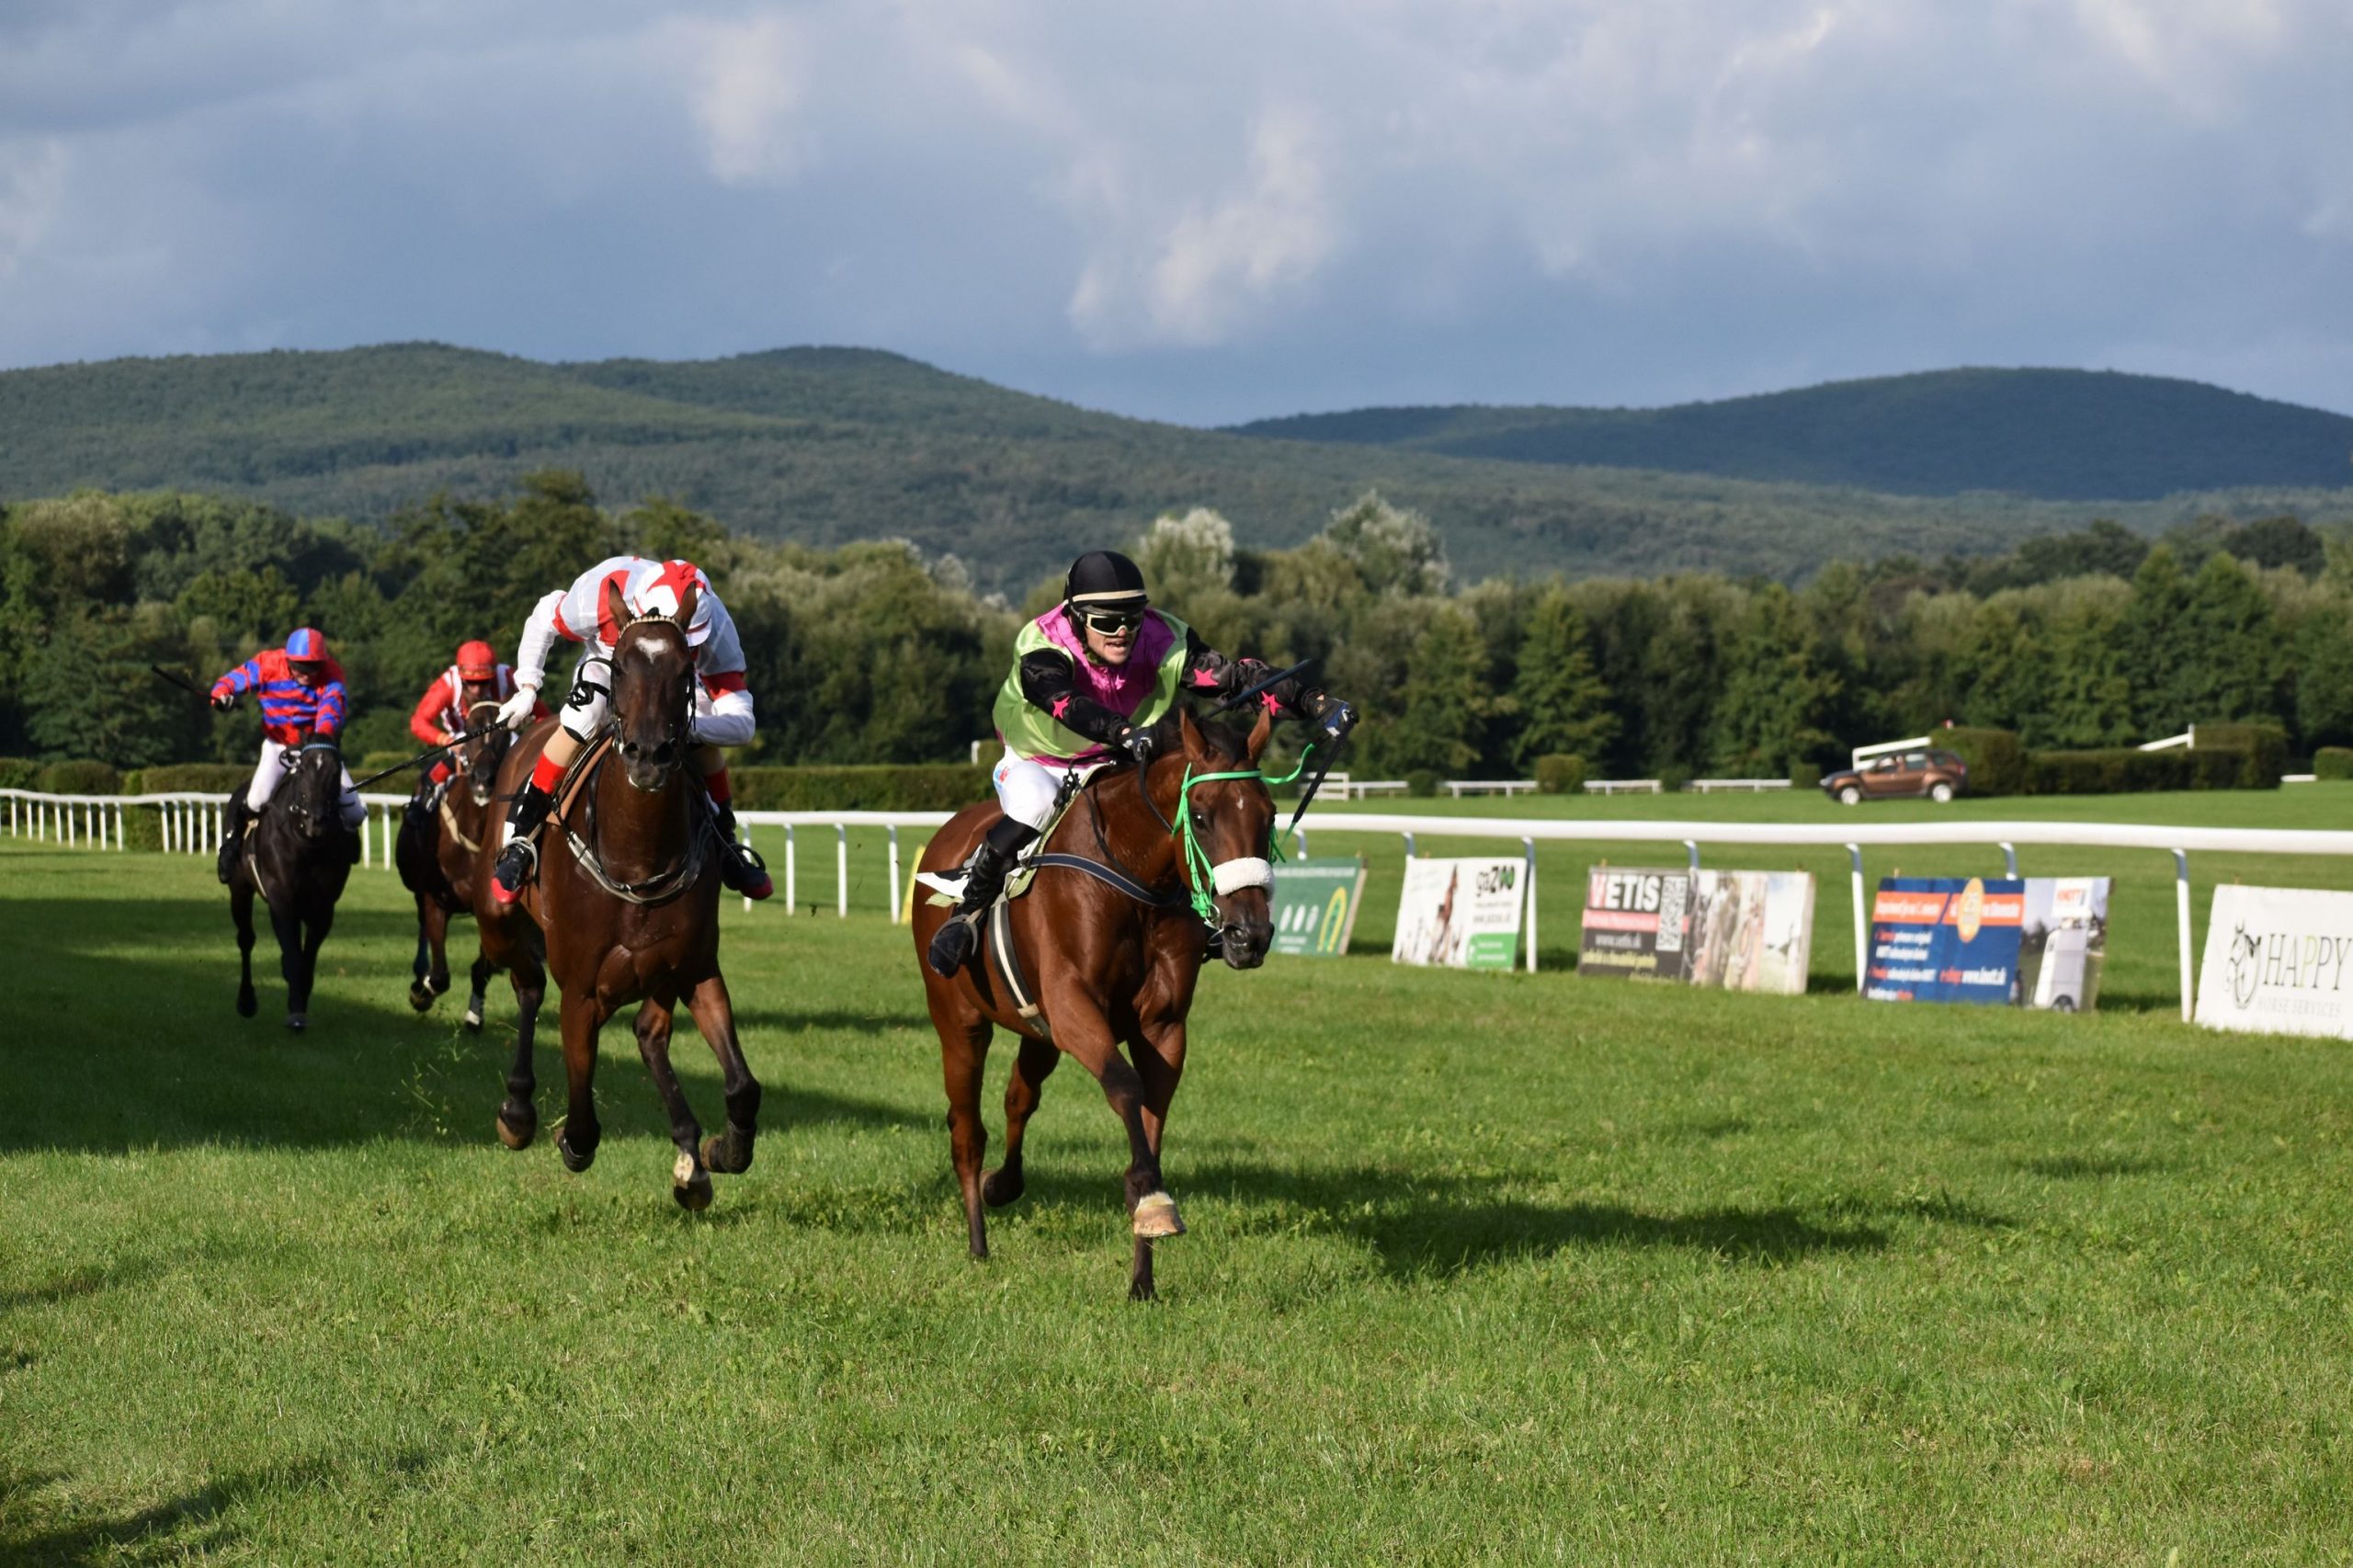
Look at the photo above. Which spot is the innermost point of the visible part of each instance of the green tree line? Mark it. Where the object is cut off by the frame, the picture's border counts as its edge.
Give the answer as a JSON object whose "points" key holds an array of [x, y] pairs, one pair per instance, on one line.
{"points": [[874, 653]]}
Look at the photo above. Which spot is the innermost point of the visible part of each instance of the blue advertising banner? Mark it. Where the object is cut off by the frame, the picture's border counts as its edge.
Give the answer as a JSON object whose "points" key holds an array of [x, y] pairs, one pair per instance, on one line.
{"points": [[1946, 939]]}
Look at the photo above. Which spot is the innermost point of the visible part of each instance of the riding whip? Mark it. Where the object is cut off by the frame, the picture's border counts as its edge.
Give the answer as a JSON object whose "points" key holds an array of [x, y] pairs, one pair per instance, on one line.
{"points": [[452, 743], [176, 679], [1239, 698]]}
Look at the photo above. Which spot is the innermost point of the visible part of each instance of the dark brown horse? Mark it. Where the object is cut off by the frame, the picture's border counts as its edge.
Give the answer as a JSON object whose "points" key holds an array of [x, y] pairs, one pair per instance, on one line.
{"points": [[296, 856], [438, 845], [1106, 967], [625, 909]]}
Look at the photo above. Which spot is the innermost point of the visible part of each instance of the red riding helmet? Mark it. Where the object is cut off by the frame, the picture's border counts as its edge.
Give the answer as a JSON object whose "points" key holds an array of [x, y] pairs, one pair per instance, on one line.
{"points": [[477, 661]]}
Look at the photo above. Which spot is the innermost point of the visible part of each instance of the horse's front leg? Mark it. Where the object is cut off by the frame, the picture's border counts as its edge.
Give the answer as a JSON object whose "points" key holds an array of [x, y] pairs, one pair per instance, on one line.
{"points": [[1158, 1048], [432, 938], [581, 1018], [729, 1151], [287, 927], [690, 1178], [1081, 1029], [241, 911]]}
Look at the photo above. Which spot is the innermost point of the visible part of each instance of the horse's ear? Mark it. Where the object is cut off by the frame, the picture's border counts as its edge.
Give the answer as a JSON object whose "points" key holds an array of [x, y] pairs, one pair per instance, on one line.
{"points": [[1259, 731], [616, 607], [1194, 746], [686, 616]]}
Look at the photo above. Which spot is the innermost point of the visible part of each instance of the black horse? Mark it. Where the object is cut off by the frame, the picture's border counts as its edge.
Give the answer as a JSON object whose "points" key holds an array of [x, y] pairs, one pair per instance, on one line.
{"points": [[439, 852], [297, 855]]}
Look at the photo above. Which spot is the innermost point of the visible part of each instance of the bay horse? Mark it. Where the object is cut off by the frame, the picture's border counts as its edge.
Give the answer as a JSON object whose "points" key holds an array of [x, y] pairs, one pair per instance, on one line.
{"points": [[296, 856], [625, 908], [436, 853], [1192, 835]]}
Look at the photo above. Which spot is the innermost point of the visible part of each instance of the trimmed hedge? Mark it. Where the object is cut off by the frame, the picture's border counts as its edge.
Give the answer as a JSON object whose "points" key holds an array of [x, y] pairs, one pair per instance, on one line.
{"points": [[80, 778], [2265, 745], [1560, 773], [1805, 776], [1422, 782], [19, 773], [2116, 770], [210, 777], [927, 786], [2329, 762], [1997, 763]]}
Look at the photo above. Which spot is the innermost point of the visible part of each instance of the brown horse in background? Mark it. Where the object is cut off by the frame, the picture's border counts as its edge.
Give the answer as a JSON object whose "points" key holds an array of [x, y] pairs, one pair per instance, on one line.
{"points": [[1106, 968], [625, 908], [437, 854]]}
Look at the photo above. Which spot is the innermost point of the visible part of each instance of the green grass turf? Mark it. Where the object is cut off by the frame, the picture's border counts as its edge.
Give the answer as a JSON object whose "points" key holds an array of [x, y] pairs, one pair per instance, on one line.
{"points": [[1482, 1268]]}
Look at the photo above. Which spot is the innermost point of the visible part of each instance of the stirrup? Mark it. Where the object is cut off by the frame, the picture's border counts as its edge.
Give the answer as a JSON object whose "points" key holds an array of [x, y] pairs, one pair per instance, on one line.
{"points": [[528, 868], [954, 945], [742, 870]]}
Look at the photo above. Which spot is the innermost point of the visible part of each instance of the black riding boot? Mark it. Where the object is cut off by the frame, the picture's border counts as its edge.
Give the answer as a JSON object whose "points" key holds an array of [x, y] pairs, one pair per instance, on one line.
{"points": [[232, 837], [984, 876], [521, 856], [739, 868]]}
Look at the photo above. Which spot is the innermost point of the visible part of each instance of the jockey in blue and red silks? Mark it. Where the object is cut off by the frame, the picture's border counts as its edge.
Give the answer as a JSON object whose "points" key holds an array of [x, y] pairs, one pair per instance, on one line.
{"points": [[300, 687], [1090, 678]]}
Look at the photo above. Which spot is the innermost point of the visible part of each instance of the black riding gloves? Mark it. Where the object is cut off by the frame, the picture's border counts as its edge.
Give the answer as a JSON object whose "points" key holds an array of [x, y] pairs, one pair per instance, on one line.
{"points": [[1138, 743]]}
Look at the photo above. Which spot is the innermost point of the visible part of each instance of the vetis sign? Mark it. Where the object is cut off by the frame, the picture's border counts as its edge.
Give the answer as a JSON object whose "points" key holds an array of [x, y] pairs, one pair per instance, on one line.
{"points": [[2278, 961], [1735, 930]]}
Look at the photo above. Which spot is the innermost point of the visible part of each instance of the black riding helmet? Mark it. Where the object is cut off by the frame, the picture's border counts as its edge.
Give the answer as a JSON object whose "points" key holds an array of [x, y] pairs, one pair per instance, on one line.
{"points": [[1104, 580]]}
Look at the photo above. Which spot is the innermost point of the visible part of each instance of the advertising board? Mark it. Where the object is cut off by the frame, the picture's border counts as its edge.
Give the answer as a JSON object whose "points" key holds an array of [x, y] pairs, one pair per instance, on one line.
{"points": [[2275, 962], [1462, 913], [2031, 941], [1735, 930], [2063, 942], [1315, 906]]}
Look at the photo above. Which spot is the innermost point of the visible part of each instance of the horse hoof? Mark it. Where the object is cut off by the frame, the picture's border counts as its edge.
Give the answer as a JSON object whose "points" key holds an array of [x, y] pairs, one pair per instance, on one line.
{"points": [[420, 997], [1142, 1291], [715, 1155], [573, 1163], [517, 1134], [297, 1022], [473, 1020], [247, 1005], [1157, 1217], [1000, 1186], [689, 1184]]}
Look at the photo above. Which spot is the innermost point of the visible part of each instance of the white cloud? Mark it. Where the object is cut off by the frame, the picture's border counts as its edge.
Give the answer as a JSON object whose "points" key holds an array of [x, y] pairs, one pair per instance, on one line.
{"points": [[33, 182], [749, 83]]}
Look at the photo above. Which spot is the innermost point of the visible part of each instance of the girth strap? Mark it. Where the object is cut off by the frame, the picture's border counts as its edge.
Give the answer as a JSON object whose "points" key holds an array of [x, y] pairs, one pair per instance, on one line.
{"points": [[1111, 876], [1000, 939]]}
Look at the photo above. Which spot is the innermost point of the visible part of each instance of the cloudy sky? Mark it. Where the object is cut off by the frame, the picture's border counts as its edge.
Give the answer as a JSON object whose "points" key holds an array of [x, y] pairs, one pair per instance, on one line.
{"points": [[1196, 209]]}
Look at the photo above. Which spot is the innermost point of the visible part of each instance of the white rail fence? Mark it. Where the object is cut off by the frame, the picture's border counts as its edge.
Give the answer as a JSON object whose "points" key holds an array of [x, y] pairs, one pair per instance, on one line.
{"points": [[191, 824]]}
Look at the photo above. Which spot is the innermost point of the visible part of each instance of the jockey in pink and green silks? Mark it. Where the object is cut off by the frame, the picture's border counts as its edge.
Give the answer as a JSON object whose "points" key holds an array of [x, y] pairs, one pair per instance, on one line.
{"points": [[1091, 679]]}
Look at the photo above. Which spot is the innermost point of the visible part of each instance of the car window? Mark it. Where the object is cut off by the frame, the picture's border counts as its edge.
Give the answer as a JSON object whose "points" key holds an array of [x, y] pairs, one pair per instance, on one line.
{"points": [[1915, 760], [1884, 765]]}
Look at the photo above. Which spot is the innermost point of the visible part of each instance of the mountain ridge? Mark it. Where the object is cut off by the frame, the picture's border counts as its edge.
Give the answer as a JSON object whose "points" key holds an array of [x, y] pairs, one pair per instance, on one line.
{"points": [[825, 444]]}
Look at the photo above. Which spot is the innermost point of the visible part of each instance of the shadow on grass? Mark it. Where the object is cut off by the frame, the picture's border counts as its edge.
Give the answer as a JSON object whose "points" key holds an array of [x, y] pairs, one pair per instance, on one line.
{"points": [[776, 1018], [196, 1523], [126, 1052]]}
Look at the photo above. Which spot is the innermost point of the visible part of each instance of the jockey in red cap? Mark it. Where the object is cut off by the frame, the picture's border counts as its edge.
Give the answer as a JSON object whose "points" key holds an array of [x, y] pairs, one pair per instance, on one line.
{"points": [[442, 712], [300, 687], [722, 701]]}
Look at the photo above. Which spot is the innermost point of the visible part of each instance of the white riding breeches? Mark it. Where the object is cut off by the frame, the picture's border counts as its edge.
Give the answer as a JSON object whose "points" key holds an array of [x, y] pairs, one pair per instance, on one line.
{"points": [[268, 774], [723, 718], [591, 696], [1027, 789]]}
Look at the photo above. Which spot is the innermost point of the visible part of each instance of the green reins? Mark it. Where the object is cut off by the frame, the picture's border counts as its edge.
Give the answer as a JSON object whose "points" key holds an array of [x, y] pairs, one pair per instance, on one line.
{"points": [[1202, 875]]}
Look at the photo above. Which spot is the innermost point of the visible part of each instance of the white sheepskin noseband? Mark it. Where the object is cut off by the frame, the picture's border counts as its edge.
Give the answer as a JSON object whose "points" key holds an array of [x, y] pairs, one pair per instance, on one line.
{"points": [[1233, 876]]}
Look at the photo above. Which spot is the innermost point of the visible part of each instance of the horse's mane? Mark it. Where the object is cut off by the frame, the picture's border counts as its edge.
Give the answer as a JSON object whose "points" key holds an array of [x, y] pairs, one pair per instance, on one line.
{"points": [[1230, 740]]}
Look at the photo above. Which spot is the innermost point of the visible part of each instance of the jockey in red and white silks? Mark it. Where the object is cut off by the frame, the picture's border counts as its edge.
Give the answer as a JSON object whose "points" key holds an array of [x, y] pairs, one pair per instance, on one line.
{"points": [[722, 701]]}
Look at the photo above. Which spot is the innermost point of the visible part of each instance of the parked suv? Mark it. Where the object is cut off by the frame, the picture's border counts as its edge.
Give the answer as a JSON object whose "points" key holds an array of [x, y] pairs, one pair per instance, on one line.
{"points": [[1937, 774]]}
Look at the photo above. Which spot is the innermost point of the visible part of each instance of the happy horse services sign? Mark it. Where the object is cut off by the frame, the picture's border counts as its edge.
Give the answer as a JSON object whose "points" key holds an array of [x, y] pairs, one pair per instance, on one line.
{"points": [[2278, 961]]}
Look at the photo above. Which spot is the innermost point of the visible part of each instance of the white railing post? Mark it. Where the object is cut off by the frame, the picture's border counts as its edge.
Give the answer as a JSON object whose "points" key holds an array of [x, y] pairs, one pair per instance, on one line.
{"points": [[2181, 909], [1862, 926], [744, 832], [792, 846], [367, 836], [841, 870], [894, 873], [1691, 849], [1530, 846], [2010, 861]]}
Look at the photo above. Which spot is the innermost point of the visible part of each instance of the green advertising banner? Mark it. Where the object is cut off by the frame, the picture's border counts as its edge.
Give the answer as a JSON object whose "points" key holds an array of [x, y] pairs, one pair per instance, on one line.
{"points": [[1315, 906]]}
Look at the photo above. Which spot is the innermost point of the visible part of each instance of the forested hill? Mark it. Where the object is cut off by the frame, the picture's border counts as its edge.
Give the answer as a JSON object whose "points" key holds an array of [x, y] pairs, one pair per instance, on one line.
{"points": [[829, 445], [2054, 434]]}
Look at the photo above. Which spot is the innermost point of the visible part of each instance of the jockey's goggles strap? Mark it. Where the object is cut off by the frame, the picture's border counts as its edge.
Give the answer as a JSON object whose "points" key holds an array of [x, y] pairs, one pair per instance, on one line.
{"points": [[1197, 860]]}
